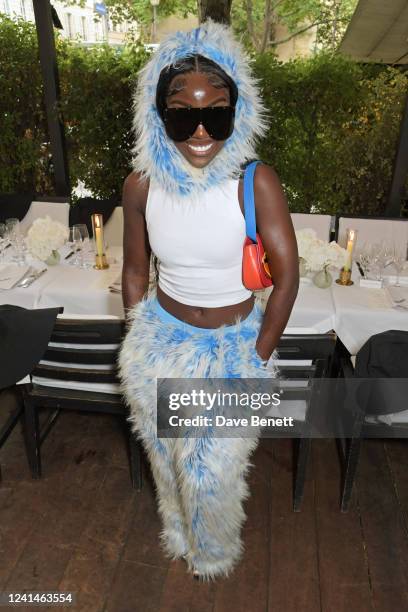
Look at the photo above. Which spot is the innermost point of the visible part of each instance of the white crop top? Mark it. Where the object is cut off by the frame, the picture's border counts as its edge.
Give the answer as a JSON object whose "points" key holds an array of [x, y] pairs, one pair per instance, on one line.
{"points": [[198, 241]]}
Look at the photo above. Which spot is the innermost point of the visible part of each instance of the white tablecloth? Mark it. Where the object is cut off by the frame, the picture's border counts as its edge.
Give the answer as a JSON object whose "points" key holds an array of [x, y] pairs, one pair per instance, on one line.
{"points": [[83, 291], [86, 292], [80, 291], [354, 313], [30, 296], [313, 310], [362, 312]]}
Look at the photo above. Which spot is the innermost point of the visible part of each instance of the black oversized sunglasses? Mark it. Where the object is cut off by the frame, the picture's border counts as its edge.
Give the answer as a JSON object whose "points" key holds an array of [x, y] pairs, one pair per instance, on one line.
{"points": [[181, 123]]}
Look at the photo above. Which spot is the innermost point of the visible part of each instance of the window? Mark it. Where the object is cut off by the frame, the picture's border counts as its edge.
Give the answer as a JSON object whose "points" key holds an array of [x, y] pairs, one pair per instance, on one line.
{"points": [[99, 34], [83, 27], [69, 25]]}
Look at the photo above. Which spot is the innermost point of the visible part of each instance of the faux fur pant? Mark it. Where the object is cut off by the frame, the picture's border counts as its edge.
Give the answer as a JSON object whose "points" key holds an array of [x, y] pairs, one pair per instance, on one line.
{"points": [[200, 482]]}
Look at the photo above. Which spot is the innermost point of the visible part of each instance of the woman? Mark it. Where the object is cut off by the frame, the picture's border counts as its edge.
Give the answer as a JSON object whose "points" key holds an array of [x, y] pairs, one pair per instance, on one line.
{"points": [[184, 202]]}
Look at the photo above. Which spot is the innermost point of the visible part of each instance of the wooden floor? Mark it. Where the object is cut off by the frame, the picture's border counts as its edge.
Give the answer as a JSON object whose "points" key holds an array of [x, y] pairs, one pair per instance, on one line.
{"points": [[82, 528]]}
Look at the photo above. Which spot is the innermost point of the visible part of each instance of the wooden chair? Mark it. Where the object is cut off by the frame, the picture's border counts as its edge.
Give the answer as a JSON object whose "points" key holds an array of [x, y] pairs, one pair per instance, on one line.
{"points": [[77, 372], [303, 358]]}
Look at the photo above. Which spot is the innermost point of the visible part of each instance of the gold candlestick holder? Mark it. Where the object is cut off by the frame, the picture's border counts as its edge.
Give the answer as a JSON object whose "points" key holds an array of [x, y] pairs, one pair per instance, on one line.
{"points": [[344, 277], [101, 262], [100, 257]]}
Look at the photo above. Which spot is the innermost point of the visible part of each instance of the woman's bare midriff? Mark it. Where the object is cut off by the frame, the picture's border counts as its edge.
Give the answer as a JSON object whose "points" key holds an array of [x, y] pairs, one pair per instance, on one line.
{"points": [[209, 318]]}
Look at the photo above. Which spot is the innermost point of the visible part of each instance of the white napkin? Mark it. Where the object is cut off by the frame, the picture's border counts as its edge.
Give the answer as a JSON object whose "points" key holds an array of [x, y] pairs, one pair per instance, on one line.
{"points": [[105, 278], [10, 274], [375, 299], [116, 286]]}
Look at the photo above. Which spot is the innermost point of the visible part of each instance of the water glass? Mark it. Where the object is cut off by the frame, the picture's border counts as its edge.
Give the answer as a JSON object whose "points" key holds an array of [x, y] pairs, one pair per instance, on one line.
{"points": [[75, 243], [86, 246]]}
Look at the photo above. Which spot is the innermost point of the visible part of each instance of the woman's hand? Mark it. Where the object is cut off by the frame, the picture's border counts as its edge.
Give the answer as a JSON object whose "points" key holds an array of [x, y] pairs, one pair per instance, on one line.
{"points": [[278, 237], [263, 357]]}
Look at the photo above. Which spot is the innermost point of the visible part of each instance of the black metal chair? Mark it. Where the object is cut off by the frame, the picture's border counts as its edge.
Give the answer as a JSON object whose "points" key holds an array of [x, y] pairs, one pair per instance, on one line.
{"points": [[77, 372], [304, 358], [376, 408], [15, 205]]}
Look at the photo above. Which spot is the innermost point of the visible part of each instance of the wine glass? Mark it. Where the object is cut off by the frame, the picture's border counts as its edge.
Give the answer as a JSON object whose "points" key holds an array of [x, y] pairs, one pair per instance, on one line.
{"points": [[16, 239], [398, 261], [367, 259], [75, 242], [12, 230], [363, 258], [382, 253], [85, 245]]}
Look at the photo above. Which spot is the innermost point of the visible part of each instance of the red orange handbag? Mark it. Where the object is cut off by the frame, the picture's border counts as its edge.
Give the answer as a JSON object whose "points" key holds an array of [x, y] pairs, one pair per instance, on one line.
{"points": [[256, 274]]}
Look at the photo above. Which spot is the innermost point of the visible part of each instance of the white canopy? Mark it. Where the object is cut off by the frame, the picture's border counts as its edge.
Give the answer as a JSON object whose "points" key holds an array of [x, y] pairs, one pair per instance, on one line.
{"points": [[378, 32]]}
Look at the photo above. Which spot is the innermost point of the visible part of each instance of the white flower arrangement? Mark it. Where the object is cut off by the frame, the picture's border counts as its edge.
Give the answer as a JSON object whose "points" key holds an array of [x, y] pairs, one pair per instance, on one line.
{"points": [[45, 236], [318, 253]]}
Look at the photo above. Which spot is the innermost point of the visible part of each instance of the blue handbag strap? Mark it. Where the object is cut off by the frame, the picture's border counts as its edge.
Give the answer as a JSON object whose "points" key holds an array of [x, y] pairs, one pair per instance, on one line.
{"points": [[249, 202]]}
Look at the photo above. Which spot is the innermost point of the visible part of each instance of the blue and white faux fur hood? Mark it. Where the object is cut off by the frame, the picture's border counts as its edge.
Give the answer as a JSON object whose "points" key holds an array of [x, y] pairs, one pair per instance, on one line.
{"points": [[155, 155]]}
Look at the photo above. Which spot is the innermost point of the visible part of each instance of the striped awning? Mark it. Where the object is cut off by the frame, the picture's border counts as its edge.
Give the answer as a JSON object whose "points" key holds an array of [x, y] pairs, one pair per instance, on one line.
{"points": [[378, 32]]}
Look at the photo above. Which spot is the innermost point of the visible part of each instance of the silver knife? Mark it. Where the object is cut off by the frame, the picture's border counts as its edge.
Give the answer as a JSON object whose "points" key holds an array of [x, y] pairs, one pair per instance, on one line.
{"points": [[25, 278], [33, 278]]}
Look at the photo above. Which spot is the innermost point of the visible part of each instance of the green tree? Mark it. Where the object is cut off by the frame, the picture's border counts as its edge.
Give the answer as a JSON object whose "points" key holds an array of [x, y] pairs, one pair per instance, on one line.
{"points": [[219, 10], [140, 11], [256, 20], [23, 124]]}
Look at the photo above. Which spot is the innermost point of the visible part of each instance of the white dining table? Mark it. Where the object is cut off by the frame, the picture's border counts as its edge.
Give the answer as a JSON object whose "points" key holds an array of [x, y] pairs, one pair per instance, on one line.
{"points": [[28, 297], [79, 291], [83, 291], [361, 312], [313, 310], [354, 313], [86, 291]]}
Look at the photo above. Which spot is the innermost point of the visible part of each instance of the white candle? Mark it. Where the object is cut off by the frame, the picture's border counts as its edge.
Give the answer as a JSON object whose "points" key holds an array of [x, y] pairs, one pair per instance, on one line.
{"points": [[98, 234], [351, 238]]}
